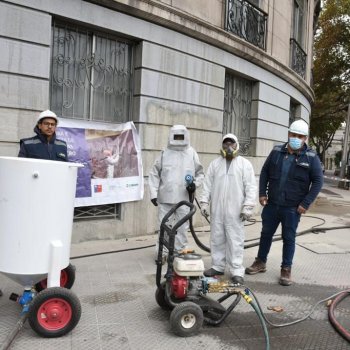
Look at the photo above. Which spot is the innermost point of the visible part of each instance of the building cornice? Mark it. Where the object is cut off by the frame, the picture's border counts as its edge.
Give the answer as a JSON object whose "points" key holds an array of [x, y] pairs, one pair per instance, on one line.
{"points": [[172, 18]]}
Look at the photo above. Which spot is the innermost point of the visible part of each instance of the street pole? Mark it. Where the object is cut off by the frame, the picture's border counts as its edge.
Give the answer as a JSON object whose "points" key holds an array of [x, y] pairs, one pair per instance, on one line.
{"points": [[344, 158]]}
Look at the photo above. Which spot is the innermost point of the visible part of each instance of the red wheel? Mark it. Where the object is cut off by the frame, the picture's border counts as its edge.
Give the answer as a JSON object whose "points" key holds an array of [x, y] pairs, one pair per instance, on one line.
{"points": [[54, 312], [67, 279]]}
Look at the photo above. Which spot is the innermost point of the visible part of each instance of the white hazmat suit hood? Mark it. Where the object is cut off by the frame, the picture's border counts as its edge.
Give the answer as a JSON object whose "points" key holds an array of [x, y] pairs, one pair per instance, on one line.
{"points": [[231, 137], [235, 151], [179, 138]]}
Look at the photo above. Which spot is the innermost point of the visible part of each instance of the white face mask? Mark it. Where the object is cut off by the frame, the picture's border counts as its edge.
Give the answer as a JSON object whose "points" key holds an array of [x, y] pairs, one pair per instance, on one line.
{"points": [[295, 143]]}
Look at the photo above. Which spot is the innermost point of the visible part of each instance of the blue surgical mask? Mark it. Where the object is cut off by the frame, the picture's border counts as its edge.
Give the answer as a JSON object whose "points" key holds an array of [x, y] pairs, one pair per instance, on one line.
{"points": [[295, 143]]}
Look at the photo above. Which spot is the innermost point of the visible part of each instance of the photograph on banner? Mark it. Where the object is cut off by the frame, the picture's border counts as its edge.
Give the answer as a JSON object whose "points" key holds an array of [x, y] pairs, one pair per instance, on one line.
{"points": [[111, 156]]}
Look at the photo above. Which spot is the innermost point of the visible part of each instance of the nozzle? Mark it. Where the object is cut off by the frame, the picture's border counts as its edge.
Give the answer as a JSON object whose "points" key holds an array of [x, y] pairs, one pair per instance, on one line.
{"points": [[188, 179]]}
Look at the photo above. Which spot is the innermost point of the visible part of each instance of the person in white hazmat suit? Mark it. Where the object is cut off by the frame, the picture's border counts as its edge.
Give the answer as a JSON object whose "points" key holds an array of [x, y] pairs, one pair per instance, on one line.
{"points": [[230, 188], [167, 185]]}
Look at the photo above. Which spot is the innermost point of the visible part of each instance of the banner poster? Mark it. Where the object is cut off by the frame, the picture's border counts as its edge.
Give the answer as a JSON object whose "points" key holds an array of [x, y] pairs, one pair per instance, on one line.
{"points": [[111, 156]]}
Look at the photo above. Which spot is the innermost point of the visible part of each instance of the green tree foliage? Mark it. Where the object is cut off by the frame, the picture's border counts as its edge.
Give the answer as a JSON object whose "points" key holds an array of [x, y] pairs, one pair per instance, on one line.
{"points": [[331, 73]]}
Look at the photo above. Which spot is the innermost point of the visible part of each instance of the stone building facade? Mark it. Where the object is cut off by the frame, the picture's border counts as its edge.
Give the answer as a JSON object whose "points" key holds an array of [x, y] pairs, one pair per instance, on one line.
{"points": [[216, 66]]}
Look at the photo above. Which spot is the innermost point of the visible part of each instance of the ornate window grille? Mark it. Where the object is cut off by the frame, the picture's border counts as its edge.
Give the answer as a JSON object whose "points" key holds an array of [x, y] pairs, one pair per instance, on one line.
{"points": [[237, 110], [107, 211], [298, 58], [90, 75], [298, 55], [247, 21]]}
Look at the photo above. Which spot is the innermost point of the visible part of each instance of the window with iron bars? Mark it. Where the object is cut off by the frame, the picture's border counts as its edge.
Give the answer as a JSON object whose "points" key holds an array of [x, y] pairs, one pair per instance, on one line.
{"points": [[91, 75], [245, 19], [237, 110], [297, 53], [107, 211], [91, 79]]}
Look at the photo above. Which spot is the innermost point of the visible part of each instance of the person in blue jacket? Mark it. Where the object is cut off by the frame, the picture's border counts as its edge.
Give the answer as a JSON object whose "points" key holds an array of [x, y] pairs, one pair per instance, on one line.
{"points": [[290, 181], [44, 145]]}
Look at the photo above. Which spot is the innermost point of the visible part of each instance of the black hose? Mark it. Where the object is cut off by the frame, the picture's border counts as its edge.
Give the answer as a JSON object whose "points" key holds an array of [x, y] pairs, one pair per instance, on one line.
{"points": [[193, 232], [196, 239], [112, 251], [335, 323], [313, 229]]}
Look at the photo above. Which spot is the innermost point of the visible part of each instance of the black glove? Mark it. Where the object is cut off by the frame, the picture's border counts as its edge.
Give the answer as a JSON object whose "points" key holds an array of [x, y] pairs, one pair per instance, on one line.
{"points": [[191, 187], [154, 202]]}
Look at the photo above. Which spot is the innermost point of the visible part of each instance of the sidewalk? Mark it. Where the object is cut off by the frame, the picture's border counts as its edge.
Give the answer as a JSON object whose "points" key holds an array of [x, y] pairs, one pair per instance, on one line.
{"points": [[119, 310]]}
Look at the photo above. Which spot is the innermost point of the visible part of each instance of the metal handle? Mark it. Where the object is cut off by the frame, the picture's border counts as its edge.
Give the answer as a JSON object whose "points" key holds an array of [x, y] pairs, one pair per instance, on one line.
{"points": [[184, 219]]}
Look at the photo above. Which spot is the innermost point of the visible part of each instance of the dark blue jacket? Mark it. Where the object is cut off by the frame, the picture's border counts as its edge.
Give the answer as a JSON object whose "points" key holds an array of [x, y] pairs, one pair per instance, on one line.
{"points": [[304, 181], [38, 147]]}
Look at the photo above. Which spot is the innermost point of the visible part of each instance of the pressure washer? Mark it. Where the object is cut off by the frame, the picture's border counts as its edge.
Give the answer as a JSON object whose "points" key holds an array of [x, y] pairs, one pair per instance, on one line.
{"points": [[185, 290]]}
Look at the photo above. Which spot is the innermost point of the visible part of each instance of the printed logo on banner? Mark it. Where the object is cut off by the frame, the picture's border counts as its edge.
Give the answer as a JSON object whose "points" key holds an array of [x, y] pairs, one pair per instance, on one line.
{"points": [[131, 185], [97, 188]]}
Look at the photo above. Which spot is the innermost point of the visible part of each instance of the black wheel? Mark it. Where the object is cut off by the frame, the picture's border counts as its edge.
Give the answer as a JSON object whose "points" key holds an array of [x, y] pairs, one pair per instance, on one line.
{"points": [[186, 319], [160, 298], [67, 279], [54, 312]]}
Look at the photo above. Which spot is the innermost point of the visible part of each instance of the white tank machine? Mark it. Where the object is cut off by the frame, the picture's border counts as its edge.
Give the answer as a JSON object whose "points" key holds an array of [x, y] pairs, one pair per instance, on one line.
{"points": [[36, 215]]}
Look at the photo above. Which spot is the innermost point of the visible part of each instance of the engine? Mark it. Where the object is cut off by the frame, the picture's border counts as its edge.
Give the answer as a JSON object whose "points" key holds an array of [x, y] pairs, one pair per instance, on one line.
{"points": [[188, 271], [179, 286], [182, 287]]}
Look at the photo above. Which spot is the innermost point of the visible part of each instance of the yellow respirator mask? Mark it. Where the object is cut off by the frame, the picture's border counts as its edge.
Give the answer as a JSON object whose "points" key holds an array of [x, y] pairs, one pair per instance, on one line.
{"points": [[229, 153]]}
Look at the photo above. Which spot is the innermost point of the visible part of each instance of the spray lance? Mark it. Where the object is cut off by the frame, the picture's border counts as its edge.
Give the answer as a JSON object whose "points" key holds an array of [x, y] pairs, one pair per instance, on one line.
{"points": [[191, 188]]}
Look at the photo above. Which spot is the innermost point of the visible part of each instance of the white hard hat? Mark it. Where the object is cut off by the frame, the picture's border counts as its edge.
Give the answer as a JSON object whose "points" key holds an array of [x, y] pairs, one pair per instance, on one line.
{"points": [[299, 127], [47, 114]]}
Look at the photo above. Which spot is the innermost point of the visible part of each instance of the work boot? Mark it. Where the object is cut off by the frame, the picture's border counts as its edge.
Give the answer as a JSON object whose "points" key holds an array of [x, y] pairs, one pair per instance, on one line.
{"points": [[286, 276], [239, 280], [212, 272], [257, 266]]}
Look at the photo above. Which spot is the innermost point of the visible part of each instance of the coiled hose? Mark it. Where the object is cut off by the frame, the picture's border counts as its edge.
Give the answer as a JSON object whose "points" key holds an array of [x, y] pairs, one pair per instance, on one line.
{"points": [[335, 323]]}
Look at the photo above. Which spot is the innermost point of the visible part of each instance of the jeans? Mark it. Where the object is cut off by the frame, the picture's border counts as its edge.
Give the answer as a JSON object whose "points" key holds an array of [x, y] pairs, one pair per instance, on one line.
{"points": [[272, 215]]}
